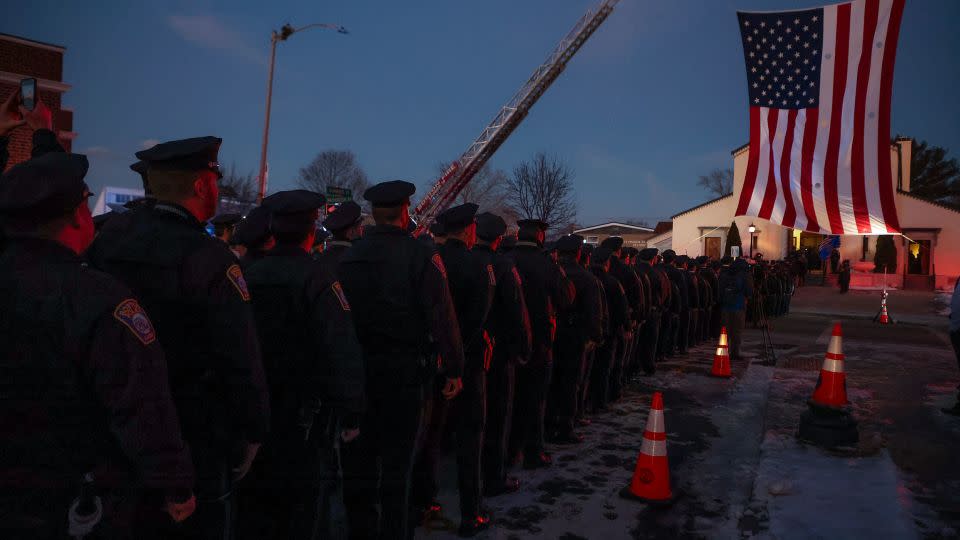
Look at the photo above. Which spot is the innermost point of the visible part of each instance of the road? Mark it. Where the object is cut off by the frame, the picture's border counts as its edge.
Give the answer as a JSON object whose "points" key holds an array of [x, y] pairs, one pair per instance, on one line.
{"points": [[735, 462]]}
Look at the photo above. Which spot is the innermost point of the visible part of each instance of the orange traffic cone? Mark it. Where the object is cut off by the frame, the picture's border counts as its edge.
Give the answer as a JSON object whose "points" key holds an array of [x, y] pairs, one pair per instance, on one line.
{"points": [[721, 360], [651, 478], [884, 316], [831, 390]]}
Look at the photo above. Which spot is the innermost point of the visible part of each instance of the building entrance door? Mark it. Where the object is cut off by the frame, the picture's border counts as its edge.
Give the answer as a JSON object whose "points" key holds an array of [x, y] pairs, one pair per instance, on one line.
{"points": [[711, 247]]}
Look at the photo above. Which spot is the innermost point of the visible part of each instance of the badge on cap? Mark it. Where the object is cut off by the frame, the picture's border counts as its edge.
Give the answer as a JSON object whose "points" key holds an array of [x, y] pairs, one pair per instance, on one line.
{"points": [[135, 318], [438, 262], [492, 277], [338, 290], [235, 275]]}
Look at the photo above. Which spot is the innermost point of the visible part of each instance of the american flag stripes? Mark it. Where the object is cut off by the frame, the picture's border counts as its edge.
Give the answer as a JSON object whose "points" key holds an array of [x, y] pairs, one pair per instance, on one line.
{"points": [[820, 82]]}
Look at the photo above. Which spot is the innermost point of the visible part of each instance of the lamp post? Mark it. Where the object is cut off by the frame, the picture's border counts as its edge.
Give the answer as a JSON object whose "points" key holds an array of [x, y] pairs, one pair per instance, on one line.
{"points": [[285, 32], [752, 230]]}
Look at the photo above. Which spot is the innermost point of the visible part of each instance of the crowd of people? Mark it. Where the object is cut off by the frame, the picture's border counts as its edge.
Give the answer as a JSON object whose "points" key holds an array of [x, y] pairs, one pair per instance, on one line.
{"points": [[192, 391]]}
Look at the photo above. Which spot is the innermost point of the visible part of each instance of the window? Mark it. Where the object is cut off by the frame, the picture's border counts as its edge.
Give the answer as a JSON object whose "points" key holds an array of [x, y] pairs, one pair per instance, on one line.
{"points": [[592, 239], [121, 198]]}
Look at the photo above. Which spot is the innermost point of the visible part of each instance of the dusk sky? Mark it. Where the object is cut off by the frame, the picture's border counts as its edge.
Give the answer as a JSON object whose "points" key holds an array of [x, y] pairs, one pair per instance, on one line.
{"points": [[655, 98]]}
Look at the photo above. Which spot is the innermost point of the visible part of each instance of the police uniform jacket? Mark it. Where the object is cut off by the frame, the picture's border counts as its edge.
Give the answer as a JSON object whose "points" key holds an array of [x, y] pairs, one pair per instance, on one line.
{"points": [[582, 321], [618, 312], [631, 286], [333, 253], [472, 283], [509, 321], [310, 351], [546, 289], [84, 378], [194, 290], [401, 305]]}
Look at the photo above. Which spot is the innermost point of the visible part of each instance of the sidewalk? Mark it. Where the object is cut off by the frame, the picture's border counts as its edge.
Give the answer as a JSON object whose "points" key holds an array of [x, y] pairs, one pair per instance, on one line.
{"points": [[915, 307]]}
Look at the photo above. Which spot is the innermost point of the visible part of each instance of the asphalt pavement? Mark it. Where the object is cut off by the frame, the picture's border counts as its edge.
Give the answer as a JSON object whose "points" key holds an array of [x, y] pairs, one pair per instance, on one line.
{"points": [[737, 468]]}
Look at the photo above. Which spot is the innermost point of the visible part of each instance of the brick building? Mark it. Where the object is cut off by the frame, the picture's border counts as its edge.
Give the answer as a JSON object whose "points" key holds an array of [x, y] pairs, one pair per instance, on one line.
{"points": [[22, 58]]}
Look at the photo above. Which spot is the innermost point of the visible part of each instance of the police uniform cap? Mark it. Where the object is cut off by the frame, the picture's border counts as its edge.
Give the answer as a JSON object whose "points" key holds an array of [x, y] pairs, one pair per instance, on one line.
{"points": [[254, 229], [570, 244], [612, 243], [226, 219], [509, 242], [437, 229], [490, 226], [345, 216], [389, 194], [702, 259], [602, 255], [45, 187], [295, 210], [458, 217], [631, 251], [140, 168], [195, 154], [648, 254], [538, 224], [683, 259]]}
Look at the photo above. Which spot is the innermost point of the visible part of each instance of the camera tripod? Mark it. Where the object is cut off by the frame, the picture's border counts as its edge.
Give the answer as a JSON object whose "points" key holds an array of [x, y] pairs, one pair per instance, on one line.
{"points": [[768, 353]]}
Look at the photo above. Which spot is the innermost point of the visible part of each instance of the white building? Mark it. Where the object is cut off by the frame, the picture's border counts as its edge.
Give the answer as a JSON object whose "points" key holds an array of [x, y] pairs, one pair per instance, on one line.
{"points": [[930, 258], [112, 198]]}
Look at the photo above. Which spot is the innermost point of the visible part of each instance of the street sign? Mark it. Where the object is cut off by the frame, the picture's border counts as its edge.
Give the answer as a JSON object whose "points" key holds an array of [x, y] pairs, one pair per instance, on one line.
{"points": [[337, 194]]}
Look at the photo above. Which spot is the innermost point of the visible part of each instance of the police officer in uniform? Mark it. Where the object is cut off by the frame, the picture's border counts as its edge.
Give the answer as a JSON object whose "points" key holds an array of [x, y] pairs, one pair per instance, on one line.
{"points": [[254, 236], [509, 325], [618, 324], [472, 284], [635, 300], [650, 334], [85, 380], [344, 225], [546, 290], [578, 331], [194, 289], [314, 368], [677, 278], [223, 226], [405, 319]]}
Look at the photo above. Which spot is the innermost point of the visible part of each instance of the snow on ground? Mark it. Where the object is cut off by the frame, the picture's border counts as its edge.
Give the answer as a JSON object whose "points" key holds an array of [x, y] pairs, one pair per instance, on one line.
{"points": [[942, 302]]}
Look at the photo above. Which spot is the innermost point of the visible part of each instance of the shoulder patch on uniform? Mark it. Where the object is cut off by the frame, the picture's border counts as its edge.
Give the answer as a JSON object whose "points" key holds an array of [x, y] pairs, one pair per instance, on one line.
{"points": [[438, 262], [516, 276], [235, 275], [338, 290], [131, 314], [492, 277]]}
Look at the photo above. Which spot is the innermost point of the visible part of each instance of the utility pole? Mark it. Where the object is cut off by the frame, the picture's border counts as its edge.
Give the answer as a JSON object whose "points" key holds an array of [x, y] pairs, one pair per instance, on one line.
{"points": [[285, 32]]}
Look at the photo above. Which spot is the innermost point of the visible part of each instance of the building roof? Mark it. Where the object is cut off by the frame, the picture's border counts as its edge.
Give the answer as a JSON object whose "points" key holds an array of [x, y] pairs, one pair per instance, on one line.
{"points": [[33, 42], [614, 224], [928, 201], [663, 226], [699, 206], [739, 149]]}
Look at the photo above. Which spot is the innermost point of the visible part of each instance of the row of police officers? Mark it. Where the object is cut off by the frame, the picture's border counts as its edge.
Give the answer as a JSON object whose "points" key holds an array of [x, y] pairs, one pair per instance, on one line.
{"points": [[156, 385]]}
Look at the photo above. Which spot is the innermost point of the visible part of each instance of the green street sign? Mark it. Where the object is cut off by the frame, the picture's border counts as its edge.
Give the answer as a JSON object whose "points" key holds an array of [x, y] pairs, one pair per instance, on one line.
{"points": [[336, 194]]}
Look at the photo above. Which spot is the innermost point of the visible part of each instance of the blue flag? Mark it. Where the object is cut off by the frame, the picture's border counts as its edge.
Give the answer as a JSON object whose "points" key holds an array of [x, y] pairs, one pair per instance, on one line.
{"points": [[827, 246]]}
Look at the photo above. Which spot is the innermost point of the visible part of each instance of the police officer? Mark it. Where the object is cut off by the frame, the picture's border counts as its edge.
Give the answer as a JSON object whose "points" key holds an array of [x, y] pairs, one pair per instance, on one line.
{"points": [[344, 225], [676, 274], [635, 299], [650, 333], [85, 380], [578, 331], [509, 325], [315, 371], [223, 226], [688, 333], [400, 301], [194, 289], [618, 324], [472, 284], [253, 236], [546, 290], [438, 232]]}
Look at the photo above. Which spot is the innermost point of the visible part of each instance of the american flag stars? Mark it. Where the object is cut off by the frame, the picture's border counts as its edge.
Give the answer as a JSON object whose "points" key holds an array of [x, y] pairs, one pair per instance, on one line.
{"points": [[780, 42]]}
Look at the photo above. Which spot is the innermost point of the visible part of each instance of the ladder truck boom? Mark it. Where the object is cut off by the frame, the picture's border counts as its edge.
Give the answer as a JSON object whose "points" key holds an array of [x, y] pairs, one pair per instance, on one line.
{"points": [[461, 171]]}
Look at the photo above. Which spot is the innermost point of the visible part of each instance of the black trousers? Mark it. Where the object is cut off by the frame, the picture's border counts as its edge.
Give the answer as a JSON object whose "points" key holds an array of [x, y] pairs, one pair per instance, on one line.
{"points": [[683, 330], [955, 340], [691, 336], [618, 366], [600, 375], [468, 413], [648, 343], [715, 315], [585, 380], [377, 464], [425, 482], [567, 373], [665, 343], [526, 434], [501, 381]]}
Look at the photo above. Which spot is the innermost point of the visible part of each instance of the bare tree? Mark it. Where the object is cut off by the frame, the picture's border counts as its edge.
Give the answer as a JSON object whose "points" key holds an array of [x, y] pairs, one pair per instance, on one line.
{"points": [[486, 189], [334, 168], [717, 181], [239, 187], [542, 188]]}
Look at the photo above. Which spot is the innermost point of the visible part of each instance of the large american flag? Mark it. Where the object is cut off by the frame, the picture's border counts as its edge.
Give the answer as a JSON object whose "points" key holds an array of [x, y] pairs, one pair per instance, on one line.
{"points": [[820, 82]]}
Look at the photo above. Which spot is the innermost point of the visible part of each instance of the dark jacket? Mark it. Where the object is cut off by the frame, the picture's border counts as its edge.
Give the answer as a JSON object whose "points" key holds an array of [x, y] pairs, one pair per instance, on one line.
{"points": [[472, 284], [402, 308], [547, 290], [736, 286], [631, 286], [616, 300], [582, 321], [509, 321], [195, 291]]}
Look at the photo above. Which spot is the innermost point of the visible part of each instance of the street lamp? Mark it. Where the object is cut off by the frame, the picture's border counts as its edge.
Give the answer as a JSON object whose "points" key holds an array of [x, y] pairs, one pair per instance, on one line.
{"points": [[752, 230], [285, 32]]}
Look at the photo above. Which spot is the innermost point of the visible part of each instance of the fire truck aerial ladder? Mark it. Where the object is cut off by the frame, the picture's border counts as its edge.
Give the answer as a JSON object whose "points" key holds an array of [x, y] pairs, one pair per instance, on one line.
{"points": [[461, 171]]}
